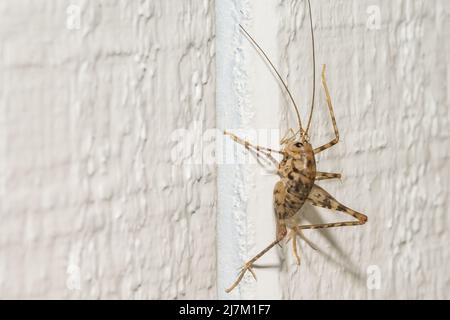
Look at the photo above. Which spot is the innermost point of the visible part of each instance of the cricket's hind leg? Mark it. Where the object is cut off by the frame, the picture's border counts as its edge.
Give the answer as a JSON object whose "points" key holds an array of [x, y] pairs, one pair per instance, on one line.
{"points": [[320, 198]]}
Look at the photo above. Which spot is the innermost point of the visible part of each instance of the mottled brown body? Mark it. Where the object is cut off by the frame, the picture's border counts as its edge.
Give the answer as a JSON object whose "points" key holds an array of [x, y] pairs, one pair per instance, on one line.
{"points": [[297, 171], [298, 176]]}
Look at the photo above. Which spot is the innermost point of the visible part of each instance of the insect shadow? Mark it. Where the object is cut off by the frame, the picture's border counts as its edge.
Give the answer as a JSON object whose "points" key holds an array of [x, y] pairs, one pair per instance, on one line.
{"points": [[341, 258]]}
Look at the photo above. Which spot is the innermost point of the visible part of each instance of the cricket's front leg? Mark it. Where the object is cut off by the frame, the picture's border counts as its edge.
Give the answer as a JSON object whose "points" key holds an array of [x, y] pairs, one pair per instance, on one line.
{"points": [[247, 144], [258, 149]]}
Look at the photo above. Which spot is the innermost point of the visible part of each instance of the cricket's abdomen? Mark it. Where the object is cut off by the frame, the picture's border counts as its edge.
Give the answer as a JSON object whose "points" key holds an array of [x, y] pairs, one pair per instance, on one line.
{"points": [[291, 192], [289, 198]]}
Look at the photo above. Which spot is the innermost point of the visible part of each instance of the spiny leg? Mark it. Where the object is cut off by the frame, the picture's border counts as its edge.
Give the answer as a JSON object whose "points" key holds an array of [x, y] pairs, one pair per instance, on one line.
{"points": [[246, 143], [281, 233], [260, 150], [333, 119], [319, 197], [268, 155], [267, 162], [331, 225], [260, 159], [294, 249], [302, 236], [248, 265], [293, 236], [327, 175], [257, 154], [294, 232]]}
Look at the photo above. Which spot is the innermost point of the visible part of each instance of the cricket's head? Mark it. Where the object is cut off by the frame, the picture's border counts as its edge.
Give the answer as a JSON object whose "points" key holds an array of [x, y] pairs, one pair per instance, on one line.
{"points": [[298, 148], [302, 155]]}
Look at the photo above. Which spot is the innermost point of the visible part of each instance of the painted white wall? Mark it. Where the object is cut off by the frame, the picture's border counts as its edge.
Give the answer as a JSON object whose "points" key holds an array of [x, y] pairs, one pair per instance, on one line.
{"points": [[387, 69], [91, 204]]}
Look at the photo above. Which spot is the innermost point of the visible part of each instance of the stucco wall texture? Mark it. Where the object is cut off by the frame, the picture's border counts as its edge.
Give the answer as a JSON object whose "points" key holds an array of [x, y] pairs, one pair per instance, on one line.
{"points": [[93, 205]]}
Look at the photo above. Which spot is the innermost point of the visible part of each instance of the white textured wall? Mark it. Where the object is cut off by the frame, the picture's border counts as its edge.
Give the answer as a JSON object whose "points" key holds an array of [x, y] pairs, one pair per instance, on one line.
{"points": [[388, 79], [91, 204]]}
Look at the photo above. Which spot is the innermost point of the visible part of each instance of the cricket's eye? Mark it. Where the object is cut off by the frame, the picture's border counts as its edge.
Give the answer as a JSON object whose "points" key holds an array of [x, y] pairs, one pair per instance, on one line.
{"points": [[299, 145]]}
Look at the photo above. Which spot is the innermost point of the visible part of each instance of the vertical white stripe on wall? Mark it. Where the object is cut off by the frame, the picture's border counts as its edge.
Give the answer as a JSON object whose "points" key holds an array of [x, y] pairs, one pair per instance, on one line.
{"points": [[247, 98]]}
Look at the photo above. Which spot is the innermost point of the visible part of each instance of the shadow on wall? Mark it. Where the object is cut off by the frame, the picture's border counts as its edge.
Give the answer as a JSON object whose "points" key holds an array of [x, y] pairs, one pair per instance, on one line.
{"points": [[312, 216]]}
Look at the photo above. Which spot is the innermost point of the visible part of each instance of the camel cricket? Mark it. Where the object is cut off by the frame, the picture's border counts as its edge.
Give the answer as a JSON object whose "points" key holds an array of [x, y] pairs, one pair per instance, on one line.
{"points": [[297, 172]]}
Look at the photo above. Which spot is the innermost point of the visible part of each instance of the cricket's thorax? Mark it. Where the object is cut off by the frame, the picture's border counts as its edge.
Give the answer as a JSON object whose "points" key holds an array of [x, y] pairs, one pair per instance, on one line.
{"points": [[297, 171]]}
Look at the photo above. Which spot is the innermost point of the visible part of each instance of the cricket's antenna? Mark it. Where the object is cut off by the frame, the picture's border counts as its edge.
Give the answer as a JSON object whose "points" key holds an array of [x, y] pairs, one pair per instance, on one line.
{"points": [[278, 75], [314, 67]]}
